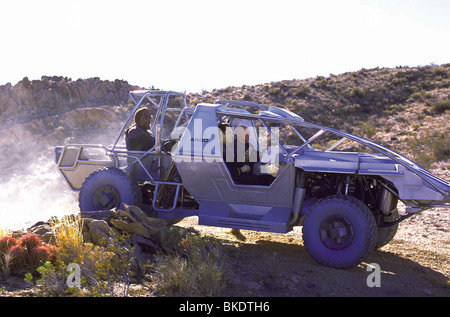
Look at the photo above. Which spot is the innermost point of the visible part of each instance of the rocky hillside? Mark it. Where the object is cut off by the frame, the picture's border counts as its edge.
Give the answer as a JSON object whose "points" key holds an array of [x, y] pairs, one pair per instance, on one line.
{"points": [[407, 109], [343, 101]]}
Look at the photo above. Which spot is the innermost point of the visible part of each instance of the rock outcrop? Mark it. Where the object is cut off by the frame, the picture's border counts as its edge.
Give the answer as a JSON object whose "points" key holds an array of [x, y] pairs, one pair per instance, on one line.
{"points": [[28, 100], [37, 115], [103, 227]]}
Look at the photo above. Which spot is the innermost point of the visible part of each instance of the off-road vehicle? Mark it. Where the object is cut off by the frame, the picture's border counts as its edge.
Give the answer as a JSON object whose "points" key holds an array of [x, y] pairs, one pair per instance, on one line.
{"points": [[303, 174]]}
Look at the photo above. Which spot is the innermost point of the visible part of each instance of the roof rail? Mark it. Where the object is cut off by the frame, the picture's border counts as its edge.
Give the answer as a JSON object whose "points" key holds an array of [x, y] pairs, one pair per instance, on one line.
{"points": [[228, 103]]}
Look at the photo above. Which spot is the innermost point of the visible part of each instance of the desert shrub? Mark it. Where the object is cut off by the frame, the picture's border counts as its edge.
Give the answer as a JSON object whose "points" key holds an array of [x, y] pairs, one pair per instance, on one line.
{"points": [[19, 258], [25, 254], [399, 81], [430, 147], [30, 241], [68, 233], [440, 106], [393, 109], [368, 128], [440, 146], [3, 233], [6, 243], [439, 71], [356, 91], [274, 91], [416, 95], [52, 279], [302, 91], [193, 268], [105, 271]]}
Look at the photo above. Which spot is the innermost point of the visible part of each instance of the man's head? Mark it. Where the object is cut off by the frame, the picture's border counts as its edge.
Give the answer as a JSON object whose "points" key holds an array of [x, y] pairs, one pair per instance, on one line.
{"points": [[142, 117]]}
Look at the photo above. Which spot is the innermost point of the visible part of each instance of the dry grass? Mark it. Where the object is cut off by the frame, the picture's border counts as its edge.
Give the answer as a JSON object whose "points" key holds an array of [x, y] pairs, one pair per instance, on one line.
{"points": [[4, 233], [194, 267], [68, 233]]}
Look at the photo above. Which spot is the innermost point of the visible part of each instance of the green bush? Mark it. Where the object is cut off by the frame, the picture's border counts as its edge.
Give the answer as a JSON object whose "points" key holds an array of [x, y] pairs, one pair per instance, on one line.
{"points": [[194, 267], [439, 71], [430, 147], [274, 91], [302, 91], [416, 95], [440, 106], [357, 92], [368, 128]]}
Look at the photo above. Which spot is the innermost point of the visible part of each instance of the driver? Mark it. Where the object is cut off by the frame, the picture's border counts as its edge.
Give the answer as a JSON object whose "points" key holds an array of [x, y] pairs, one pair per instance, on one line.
{"points": [[138, 137]]}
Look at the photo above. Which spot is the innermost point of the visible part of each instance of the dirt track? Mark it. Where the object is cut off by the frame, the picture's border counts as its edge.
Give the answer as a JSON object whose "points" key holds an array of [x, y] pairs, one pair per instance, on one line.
{"points": [[414, 263]]}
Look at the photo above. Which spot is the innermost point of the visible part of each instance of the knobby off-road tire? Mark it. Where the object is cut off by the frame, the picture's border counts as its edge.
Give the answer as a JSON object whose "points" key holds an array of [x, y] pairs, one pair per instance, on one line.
{"points": [[339, 231], [109, 188]]}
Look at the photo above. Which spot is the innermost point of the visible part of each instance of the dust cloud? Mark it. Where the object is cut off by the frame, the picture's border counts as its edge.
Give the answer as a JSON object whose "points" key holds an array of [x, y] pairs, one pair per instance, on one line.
{"points": [[35, 117], [31, 187], [32, 190]]}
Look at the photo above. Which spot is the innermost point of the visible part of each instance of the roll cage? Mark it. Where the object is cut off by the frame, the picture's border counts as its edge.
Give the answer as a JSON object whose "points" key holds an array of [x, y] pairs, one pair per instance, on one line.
{"points": [[277, 115]]}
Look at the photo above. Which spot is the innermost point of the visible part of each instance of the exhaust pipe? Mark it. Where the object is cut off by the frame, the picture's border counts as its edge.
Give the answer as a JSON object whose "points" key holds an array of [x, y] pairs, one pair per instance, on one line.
{"points": [[299, 198], [388, 202]]}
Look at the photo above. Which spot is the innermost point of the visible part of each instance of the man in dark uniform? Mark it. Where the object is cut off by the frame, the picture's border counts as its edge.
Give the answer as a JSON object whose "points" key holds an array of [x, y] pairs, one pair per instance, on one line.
{"points": [[138, 137]]}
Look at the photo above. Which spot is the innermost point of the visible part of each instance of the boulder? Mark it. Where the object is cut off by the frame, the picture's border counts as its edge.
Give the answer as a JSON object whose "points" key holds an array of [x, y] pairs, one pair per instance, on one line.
{"points": [[131, 227], [100, 232], [145, 232], [145, 244], [44, 231]]}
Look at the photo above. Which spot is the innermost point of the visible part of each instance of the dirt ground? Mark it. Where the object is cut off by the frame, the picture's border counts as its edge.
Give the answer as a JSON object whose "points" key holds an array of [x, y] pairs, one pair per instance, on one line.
{"points": [[415, 263], [260, 264]]}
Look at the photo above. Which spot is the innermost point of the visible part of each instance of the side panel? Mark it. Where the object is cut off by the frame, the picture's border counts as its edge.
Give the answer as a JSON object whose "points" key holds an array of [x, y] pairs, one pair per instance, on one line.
{"points": [[412, 187], [331, 162], [409, 185], [211, 181], [200, 163], [76, 163]]}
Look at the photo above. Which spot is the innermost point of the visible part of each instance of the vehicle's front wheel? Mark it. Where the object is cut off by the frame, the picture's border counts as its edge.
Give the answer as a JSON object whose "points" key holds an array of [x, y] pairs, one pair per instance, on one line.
{"points": [[108, 188], [339, 231]]}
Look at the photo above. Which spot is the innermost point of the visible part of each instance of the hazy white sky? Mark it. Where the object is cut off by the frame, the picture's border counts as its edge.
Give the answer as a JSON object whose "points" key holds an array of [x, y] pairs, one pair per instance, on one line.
{"points": [[205, 44]]}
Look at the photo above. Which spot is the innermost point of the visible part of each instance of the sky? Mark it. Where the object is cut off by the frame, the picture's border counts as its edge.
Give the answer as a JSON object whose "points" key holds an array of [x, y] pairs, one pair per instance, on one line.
{"points": [[195, 45]]}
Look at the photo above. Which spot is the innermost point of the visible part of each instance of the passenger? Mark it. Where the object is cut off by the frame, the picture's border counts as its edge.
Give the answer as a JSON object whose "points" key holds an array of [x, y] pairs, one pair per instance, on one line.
{"points": [[138, 137], [239, 164], [237, 169]]}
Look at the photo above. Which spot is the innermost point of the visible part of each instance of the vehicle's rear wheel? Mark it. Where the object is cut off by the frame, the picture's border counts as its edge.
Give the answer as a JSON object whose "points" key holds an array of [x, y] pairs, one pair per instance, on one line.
{"points": [[109, 188], [339, 231]]}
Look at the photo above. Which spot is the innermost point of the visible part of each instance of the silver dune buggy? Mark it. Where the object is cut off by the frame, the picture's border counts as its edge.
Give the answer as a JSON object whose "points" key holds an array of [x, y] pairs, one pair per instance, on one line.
{"points": [[346, 200]]}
